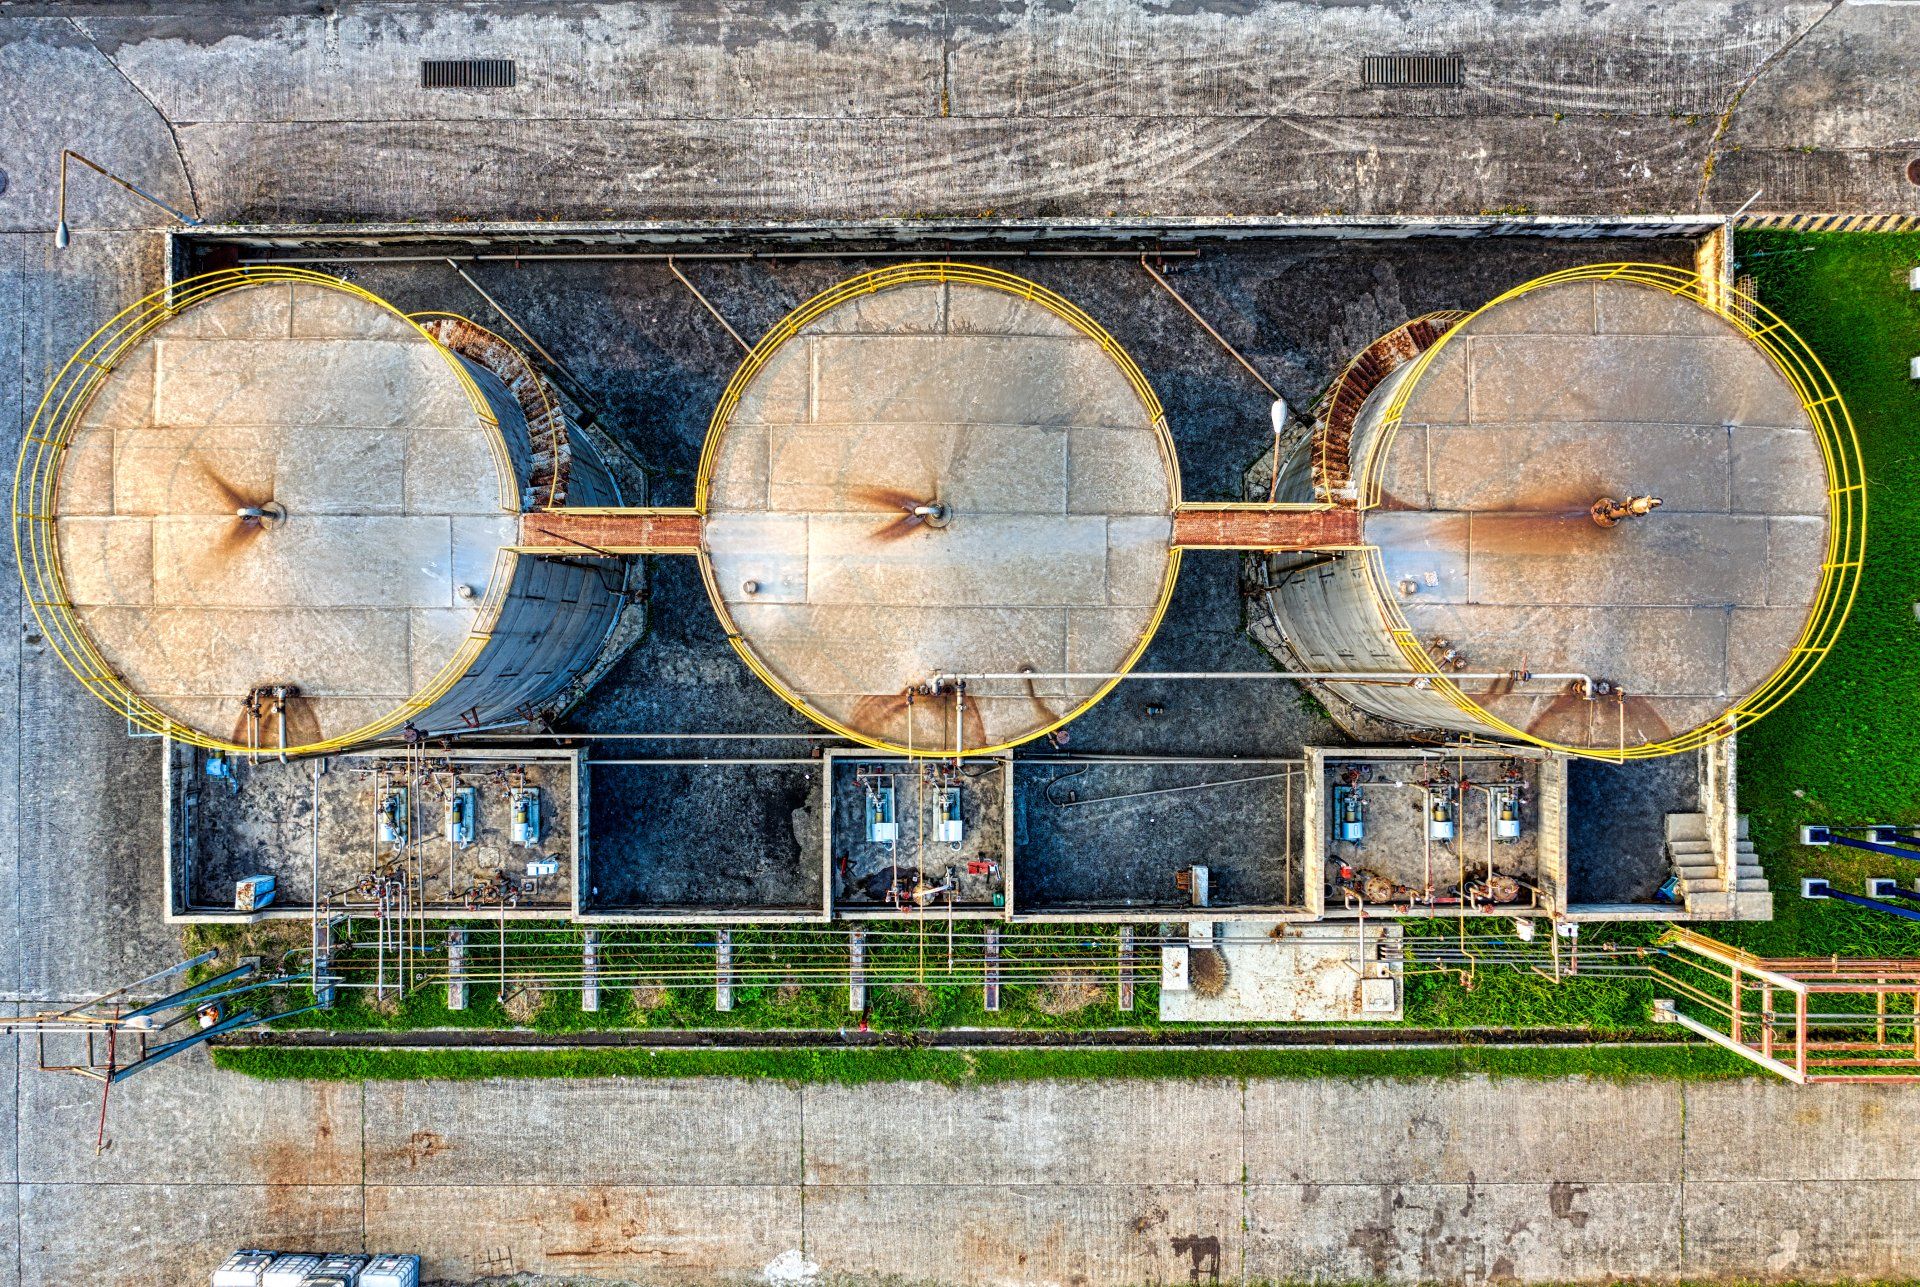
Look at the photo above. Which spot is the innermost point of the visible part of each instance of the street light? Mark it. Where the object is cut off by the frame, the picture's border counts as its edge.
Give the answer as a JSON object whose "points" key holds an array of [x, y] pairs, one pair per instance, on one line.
{"points": [[63, 235]]}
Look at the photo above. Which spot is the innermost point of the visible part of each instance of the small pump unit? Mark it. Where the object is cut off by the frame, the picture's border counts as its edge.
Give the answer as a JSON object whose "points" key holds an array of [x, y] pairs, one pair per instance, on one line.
{"points": [[1440, 813], [1506, 816], [393, 817], [948, 826], [524, 802], [460, 817], [1349, 815], [220, 769], [252, 893], [882, 828]]}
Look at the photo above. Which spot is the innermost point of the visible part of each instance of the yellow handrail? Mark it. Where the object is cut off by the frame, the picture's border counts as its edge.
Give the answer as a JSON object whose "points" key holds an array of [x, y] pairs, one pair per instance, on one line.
{"points": [[36, 494], [1846, 490], [885, 279]]}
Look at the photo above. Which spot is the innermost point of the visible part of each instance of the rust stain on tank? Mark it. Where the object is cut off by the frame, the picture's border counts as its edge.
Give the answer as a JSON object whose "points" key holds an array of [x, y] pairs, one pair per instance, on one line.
{"points": [[1534, 535], [303, 723], [1332, 443], [1565, 719]]}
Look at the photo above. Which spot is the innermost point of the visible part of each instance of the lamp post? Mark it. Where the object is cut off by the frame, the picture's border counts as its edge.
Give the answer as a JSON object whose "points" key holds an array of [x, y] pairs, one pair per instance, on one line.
{"points": [[63, 235]]}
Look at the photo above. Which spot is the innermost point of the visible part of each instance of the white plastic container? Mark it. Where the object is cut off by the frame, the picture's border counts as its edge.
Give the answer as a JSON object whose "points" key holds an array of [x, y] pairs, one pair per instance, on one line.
{"points": [[243, 1269], [344, 1266], [391, 1271], [290, 1270]]}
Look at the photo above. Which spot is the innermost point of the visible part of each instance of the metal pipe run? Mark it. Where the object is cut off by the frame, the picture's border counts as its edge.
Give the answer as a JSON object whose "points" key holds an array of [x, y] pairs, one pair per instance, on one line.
{"points": [[1409, 679], [653, 737], [696, 761], [1189, 786], [736, 256]]}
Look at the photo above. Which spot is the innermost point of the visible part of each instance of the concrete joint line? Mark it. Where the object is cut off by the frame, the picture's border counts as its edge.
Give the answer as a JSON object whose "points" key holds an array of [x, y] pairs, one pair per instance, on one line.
{"points": [[1733, 103], [801, 1178], [173, 135]]}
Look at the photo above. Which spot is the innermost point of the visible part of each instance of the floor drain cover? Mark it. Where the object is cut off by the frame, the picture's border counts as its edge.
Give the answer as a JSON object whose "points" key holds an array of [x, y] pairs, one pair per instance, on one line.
{"points": [[468, 73]]}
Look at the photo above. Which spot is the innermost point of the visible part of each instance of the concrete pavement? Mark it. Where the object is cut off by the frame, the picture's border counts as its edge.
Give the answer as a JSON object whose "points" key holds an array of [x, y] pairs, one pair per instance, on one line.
{"points": [[1078, 1183], [287, 112]]}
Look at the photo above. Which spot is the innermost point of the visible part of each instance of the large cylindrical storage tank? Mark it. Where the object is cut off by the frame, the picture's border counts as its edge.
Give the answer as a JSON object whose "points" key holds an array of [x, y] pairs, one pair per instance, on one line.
{"points": [[939, 470], [266, 510], [1483, 452]]}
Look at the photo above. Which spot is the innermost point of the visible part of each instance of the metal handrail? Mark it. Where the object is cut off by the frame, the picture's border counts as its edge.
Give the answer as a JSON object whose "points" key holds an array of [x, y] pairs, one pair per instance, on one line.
{"points": [[36, 495], [871, 283], [1846, 492]]}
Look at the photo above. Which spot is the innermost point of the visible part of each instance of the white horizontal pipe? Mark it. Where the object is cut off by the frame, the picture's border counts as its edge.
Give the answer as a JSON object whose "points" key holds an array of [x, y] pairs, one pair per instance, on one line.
{"points": [[1413, 679]]}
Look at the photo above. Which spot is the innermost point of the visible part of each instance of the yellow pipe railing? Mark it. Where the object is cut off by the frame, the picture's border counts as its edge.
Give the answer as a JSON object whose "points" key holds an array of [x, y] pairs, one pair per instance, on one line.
{"points": [[871, 283], [1846, 492], [36, 498]]}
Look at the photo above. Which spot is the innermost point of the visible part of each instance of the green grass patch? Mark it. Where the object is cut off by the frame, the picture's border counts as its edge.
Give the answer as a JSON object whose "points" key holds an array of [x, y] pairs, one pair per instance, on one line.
{"points": [[1846, 747], [952, 1067]]}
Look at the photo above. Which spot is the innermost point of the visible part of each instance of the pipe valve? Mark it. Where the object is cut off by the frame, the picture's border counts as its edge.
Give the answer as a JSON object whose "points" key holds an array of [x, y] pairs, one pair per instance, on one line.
{"points": [[1607, 511]]}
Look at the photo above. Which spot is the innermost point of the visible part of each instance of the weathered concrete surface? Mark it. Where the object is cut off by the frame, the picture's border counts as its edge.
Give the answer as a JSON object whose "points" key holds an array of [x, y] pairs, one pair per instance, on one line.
{"points": [[1829, 122], [78, 852], [1115, 1182], [634, 1134], [915, 106]]}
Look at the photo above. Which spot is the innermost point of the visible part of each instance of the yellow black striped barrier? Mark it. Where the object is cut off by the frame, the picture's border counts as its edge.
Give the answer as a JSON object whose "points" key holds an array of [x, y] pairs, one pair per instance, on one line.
{"points": [[1831, 222]]}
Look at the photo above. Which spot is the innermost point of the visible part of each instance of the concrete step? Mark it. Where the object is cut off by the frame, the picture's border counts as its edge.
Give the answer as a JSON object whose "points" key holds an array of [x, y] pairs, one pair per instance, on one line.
{"points": [[1741, 824], [1686, 826], [1751, 885], [1706, 885]]}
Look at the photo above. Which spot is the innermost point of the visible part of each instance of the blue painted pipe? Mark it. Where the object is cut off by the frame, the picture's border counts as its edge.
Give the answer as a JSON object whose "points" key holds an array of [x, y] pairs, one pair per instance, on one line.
{"points": [[1871, 904], [1870, 846]]}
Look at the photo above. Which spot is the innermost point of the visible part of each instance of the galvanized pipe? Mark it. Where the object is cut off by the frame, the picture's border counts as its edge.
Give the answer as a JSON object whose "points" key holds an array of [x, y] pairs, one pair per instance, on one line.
{"points": [[1412, 679]]}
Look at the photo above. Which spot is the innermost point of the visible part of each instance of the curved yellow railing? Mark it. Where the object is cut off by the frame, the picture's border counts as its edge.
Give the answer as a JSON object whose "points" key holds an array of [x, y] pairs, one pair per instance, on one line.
{"points": [[1846, 493], [867, 284], [36, 498]]}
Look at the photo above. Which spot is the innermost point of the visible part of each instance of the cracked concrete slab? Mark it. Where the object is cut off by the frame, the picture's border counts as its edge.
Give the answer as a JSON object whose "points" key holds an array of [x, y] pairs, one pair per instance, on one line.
{"points": [[1455, 1132], [673, 1233], [170, 1235], [1537, 1231], [1103, 1183], [1039, 1233], [582, 1132], [1127, 1132], [911, 106]]}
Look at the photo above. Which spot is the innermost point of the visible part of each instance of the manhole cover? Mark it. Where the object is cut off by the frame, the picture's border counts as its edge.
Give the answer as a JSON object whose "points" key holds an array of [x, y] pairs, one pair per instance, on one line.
{"points": [[3, 182], [1913, 174]]}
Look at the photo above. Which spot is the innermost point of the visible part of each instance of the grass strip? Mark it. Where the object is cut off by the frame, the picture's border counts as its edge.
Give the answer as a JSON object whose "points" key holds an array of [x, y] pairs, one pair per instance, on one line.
{"points": [[951, 1067]]}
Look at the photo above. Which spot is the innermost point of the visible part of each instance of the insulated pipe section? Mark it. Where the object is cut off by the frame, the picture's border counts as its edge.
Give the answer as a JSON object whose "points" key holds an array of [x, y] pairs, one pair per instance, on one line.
{"points": [[1412, 679]]}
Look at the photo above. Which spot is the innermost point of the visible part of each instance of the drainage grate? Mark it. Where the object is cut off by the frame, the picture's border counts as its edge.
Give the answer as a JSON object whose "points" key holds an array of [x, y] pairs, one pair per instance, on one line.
{"points": [[467, 73], [1413, 71]]}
